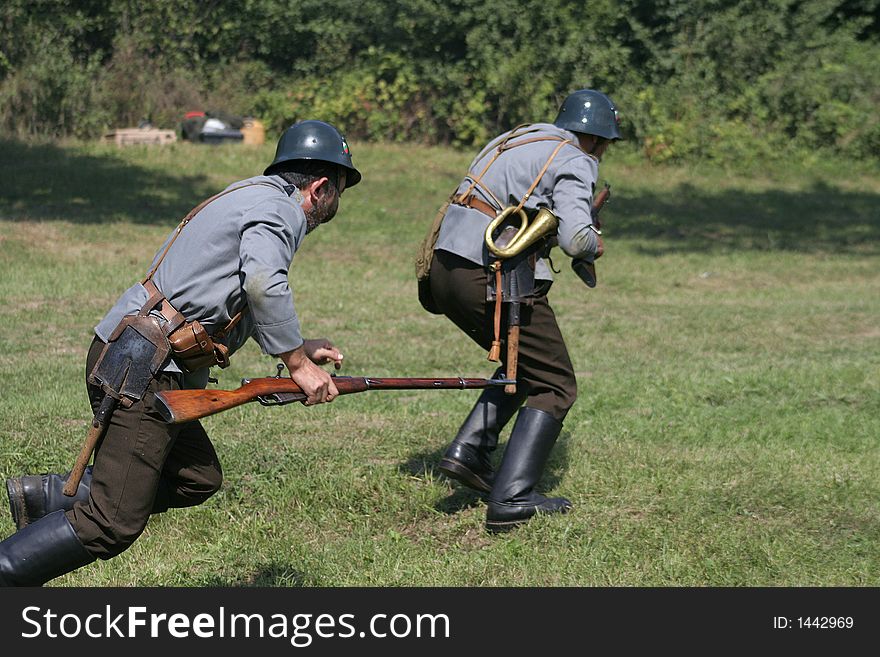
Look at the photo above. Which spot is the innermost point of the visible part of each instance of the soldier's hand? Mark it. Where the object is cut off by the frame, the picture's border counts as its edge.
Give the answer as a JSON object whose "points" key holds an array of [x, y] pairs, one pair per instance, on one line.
{"points": [[322, 351], [600, 247], [317, 384]]}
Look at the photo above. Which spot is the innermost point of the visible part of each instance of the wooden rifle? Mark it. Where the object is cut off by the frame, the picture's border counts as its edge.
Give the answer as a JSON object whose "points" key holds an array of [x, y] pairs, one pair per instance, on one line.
{"points": [[177, 406]]}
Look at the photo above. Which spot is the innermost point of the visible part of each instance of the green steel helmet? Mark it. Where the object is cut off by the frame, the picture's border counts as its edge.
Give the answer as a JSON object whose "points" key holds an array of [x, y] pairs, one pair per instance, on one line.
{"points": [[590, 112], [315, 140]]}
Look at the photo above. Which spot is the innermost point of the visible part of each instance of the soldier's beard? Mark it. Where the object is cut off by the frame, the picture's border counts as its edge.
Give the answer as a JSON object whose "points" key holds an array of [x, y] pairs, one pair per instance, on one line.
{"points": [[322, 212]]}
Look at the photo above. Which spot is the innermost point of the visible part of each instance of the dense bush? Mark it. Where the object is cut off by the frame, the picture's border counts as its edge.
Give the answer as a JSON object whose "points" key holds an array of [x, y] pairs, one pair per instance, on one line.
{"points": [[734, 81]]}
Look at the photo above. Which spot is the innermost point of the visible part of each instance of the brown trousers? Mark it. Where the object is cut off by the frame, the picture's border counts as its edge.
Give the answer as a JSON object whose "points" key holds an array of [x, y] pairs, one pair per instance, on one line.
{"points": [[141, 466], [458, 287]]}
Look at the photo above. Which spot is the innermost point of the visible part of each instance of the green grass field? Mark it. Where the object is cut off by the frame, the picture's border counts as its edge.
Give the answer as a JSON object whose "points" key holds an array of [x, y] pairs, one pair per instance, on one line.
{"points": [[726, 432]]}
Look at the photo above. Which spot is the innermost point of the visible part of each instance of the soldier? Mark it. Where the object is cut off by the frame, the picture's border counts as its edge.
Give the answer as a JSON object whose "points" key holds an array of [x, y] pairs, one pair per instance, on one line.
{"points": [[216, 282], [553, 166]]}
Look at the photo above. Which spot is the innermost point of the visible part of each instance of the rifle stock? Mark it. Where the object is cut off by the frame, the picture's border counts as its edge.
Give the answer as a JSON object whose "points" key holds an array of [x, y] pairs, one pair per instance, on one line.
{"points": [[599, 202], [178, 406]]}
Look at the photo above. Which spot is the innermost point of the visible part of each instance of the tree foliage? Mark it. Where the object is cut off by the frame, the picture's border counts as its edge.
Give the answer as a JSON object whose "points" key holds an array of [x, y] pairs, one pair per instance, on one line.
{"points": [[728, 80]]}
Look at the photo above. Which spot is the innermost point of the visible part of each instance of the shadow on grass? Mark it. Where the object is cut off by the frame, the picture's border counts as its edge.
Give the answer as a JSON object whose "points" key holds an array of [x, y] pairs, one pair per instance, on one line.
{"points": [[47, 182], [270, 574], [424, 464], [688, 219]]}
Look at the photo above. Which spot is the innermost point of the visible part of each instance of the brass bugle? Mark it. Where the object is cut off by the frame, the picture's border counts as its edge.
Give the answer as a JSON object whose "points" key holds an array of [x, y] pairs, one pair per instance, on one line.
{"points": [[544, 223]]}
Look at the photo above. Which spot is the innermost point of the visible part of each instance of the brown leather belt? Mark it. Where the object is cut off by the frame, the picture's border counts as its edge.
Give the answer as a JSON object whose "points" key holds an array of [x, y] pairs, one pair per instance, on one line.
{"points": [[474, 203]]}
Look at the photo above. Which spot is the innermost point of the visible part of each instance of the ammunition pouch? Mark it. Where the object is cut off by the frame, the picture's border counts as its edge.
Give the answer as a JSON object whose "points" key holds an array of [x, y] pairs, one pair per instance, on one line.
{"points": [[194, 349], [190, 344]]}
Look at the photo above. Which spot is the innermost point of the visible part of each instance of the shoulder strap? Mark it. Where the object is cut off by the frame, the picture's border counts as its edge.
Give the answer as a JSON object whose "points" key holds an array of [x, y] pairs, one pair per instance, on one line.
{"points": [[541, 173], [500, 145], [499, 142], [506, 145], [174, 317]]}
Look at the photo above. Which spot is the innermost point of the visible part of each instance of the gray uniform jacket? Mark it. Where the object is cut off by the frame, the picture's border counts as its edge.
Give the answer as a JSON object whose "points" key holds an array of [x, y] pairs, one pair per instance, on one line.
{"points": [[237, 250], [566, 188]]}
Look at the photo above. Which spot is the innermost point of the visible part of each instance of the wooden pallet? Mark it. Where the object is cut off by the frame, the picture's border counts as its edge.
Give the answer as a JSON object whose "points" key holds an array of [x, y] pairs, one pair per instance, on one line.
{"points": [[132, 136]]}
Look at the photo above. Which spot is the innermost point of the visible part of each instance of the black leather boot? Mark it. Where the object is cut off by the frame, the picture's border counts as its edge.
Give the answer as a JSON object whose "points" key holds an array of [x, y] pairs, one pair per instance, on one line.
{"points": [[513, 499], [44, 550], [33, 496], [468, 457]]}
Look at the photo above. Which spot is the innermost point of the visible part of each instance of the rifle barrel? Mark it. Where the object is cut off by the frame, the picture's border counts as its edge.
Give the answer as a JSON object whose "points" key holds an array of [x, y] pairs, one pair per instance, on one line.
{"points": [[373, 383]]}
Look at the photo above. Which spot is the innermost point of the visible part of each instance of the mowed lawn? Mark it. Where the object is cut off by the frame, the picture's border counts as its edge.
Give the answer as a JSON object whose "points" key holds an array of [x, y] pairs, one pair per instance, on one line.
{"points": [[728, 362]]}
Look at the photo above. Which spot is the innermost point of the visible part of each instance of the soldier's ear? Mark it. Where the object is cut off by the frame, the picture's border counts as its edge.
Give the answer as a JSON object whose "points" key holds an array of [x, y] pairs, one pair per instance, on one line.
{"points": [[323, 186], [316, 189]]}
